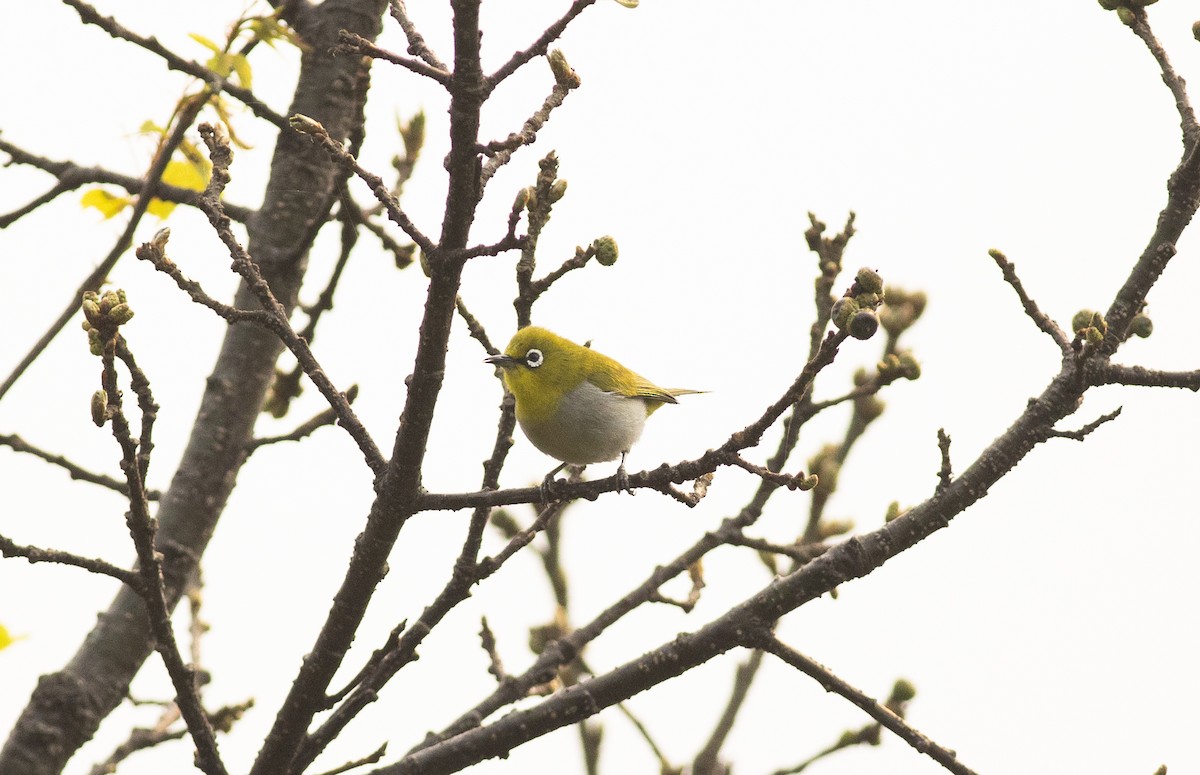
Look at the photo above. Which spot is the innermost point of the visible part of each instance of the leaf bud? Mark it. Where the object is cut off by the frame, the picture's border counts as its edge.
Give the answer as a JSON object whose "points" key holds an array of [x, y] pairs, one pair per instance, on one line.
{"points": [[563, 74], [557, 189], [831, 528], [843, 309], [868, 300], [1127, 17], [869, 280], [120, 314], [1141, 325], [902, 691], [910, 369], [91, 312], [100, 408], [1081, 320], [521, 200], [606, 250]]}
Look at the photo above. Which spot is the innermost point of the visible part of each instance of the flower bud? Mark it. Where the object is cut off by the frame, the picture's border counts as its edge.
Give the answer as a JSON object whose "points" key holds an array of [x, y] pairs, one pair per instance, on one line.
{"points": [[863, 325]]}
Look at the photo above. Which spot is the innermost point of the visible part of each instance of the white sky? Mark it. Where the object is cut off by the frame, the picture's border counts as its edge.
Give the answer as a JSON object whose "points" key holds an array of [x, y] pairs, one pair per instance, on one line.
{"points": [[1051, 628]]}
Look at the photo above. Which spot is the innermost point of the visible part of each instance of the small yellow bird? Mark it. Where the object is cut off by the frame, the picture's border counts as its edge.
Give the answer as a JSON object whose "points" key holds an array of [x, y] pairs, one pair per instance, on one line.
{"points": [[573, 403]]}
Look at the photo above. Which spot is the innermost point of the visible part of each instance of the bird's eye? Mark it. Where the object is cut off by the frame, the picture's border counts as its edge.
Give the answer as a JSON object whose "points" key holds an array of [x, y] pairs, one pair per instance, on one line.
{"points": [[534, 358]]}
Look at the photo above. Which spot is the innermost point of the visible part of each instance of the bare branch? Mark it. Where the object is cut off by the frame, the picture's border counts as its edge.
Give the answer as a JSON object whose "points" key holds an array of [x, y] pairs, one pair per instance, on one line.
{"points": [[1117, 374], [882, 714], [350, 42]]}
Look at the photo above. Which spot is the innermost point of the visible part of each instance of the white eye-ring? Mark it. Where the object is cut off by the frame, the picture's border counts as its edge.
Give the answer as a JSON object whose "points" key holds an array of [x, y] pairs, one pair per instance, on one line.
{"points": [[534, 358]]}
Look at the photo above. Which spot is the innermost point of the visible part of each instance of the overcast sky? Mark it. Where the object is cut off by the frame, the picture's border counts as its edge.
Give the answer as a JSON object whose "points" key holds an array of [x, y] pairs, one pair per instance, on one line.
{"points": [[1051, 628]]}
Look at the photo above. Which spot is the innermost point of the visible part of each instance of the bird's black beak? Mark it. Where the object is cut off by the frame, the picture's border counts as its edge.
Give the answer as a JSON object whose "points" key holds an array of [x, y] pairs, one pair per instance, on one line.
{"points": [[503, 361]]}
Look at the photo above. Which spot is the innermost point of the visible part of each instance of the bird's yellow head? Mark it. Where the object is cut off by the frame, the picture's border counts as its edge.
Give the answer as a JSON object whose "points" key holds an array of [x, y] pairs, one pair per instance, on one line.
{"points": [[540, 367]]}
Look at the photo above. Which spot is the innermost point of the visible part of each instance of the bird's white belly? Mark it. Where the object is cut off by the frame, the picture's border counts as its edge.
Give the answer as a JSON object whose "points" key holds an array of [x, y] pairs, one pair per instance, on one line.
{"points": [[590, 426]]}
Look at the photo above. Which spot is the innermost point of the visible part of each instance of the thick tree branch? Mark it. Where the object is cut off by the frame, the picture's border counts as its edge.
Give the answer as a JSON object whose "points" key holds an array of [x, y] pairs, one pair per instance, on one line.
{"points": [[67, 706]]}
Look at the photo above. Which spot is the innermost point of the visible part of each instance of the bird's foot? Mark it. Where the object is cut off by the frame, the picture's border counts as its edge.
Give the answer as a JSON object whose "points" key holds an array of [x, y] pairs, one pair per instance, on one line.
{"points": [[548, 484], [623, 479]]}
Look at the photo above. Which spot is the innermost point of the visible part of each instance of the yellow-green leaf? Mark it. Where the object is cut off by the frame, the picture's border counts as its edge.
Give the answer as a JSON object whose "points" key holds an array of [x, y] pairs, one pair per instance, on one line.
{"points": [[629, 3], [241, 66], [203, 41], [148, 127], [106, 203]]}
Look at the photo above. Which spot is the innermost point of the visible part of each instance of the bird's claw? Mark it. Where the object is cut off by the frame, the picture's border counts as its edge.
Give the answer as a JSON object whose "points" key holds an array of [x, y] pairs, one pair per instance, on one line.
{"points": [[623, 480]]}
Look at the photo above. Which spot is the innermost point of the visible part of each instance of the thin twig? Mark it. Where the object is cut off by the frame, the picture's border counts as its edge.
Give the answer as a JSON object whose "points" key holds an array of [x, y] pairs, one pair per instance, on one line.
{"points": [[1187, 118], [539, 46], [216, 83], [1040, 319], [1082, 433], [349, 42], [313, 129], [887, 718], [17, 444], [945, 472], [9, 548], [306, 428], [371, 758], [501, 153], [142, 529], [71, 176], [416, 44], [475, 327], [487, 639]]}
